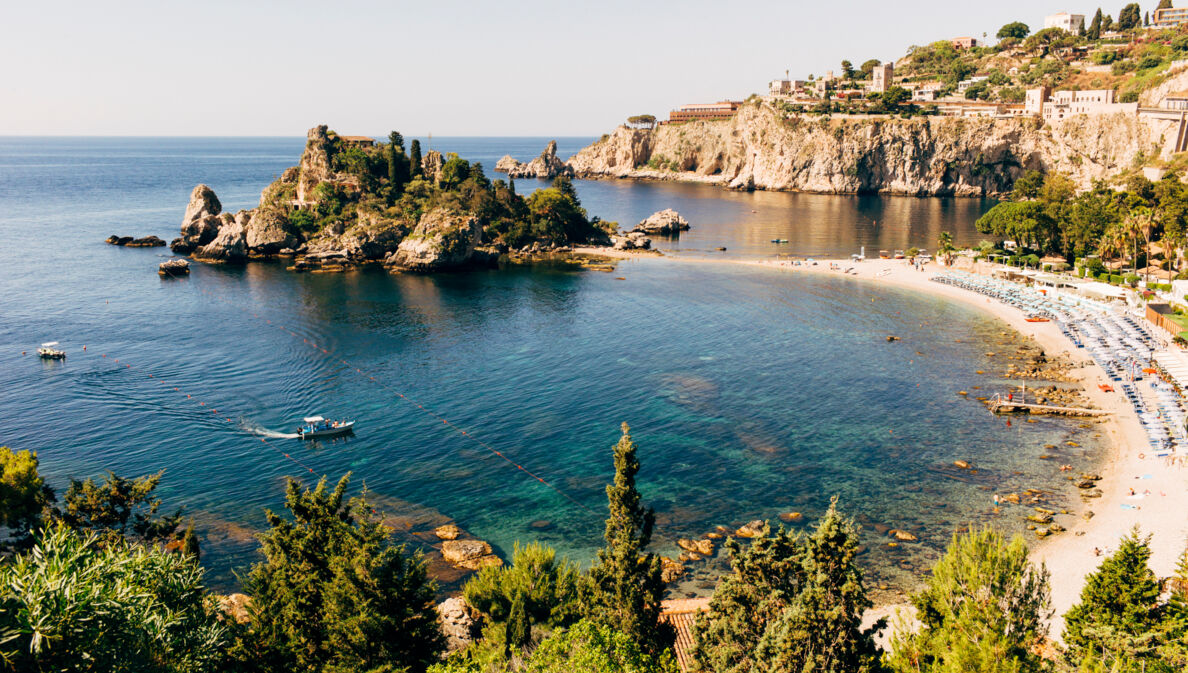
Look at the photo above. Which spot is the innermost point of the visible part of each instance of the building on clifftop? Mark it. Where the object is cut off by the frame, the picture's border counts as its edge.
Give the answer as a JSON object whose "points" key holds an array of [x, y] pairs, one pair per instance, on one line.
{"points": [[1069, 23], [695, 111], [881, 78]]}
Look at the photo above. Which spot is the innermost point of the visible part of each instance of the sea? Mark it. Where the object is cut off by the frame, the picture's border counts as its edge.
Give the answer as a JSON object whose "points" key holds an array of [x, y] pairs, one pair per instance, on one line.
{"points": [[492, 398]]}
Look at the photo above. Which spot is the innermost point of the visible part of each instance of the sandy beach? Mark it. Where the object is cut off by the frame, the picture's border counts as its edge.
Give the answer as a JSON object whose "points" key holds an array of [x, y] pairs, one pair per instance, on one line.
{"points": [[1069, 556]]}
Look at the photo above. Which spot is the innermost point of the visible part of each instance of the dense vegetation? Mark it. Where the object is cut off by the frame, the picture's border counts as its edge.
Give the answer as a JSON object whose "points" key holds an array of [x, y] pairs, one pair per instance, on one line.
{"points": [[381, 186], [334, 594], [1099, 228]]}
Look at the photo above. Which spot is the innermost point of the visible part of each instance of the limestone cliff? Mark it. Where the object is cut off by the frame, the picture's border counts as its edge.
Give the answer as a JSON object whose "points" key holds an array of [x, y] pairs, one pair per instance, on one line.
{"points": [[764, 148]]}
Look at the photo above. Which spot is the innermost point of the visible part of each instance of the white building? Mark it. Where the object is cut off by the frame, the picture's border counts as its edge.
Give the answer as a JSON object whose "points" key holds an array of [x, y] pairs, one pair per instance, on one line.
{"points": [[880, 78], [1070, 23], [966, 83], [1062, 104]]}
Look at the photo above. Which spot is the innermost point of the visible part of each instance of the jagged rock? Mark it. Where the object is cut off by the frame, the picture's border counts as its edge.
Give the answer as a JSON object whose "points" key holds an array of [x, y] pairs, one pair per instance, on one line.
{"points": [[469, 554], [266, 232], [441, 240], [507, 164], [632, 240], [664, 222], [670, 570], [902, 535], [459, 623], [546, 166], [230, 245], [314, 167], [702, 547], [146, 242], [200, 225], [448, 532], [752, 529], [203, 202], [117, 240], [431, 165]]}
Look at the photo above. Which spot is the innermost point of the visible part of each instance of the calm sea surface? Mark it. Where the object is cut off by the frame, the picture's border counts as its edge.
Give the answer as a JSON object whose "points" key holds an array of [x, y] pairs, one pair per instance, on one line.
{"points": [[749, 393]]}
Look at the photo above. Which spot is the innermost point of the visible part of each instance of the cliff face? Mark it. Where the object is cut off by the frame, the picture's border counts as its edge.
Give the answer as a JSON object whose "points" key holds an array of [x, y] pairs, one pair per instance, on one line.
{"points": [[760, 148]]}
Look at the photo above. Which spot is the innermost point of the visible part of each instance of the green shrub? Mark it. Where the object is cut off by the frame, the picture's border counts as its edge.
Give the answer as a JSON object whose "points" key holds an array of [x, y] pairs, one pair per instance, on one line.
{"points": [[1115, 279]]}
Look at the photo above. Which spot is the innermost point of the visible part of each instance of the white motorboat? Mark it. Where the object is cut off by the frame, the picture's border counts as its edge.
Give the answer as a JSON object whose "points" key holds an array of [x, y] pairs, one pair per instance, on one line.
{"points": [[49, 352], [316, 426]]}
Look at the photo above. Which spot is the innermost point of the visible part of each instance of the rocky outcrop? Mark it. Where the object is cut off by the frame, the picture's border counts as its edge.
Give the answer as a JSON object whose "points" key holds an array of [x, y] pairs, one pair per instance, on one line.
{"points": [[667, 222], [632, 240], [765, 148], [173, 268], [431, 165], [267, 232], [469, 554], [459, 623], [314, 167], [201, 222], [442, 239], [547, 166], [230, 244], [131, 242]]}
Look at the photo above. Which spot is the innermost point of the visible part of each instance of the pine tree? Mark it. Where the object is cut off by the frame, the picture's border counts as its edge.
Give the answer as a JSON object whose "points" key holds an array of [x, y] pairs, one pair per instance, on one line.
{"points": [[397, 170], [624, 587], [1129, 17], [415, 157], [790, 604], [396, 140], [1115, 621], [519, 627], [511, 185], [1173, 649], [984, 609], [1094, 31], [334, 594]]}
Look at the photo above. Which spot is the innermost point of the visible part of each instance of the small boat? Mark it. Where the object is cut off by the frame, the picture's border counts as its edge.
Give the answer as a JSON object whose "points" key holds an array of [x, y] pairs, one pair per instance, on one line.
{"points": [[316, 426], [884, 254], [48, 352], [779, 240], [1036, 318], [898, 254]]}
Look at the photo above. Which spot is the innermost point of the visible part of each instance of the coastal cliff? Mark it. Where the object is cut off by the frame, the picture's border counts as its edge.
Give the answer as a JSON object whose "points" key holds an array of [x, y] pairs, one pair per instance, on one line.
{"points": [[765, 148]]}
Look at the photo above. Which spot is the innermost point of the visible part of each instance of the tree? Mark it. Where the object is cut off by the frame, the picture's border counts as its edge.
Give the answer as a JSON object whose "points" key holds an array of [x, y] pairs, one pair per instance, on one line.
{"points": [[983, 609], [545, 587], [1129, 17], [454, 172], [944, 247], [1147, 19], [1015, 29], [414, 153], [642, 121], [398, 167], [1094, 31], [118, 509], [790, 603], [1173, 649], [847, 69], [24, 495], [1107, 23], [1027, 186], [624, 588], [1115, 622], [73, 604], [588, 647], [333, 593], [868, 67], [1027, 222], [895, 96], [1164, 4]]}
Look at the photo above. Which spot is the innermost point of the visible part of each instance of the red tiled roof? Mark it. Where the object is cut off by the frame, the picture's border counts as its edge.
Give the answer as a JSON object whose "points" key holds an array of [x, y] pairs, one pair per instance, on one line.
{"points": [[681, 613]]}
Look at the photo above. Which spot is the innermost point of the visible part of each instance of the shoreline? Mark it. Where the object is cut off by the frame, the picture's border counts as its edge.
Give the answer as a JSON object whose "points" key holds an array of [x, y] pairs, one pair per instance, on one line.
{"points": [[1068, 556]]}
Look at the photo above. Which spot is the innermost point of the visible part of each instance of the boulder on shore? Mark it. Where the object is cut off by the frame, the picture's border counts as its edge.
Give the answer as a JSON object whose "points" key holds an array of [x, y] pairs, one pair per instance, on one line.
{"points": [[200, 225], [752, 529], [442, 239], [459, 623], [632, 240], [547, 166], [665, 222], [469, 554], [129, 241], [230, 244]]}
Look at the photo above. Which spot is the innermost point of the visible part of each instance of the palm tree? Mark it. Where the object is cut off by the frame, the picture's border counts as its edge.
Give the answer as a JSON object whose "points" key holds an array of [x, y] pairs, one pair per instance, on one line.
{"points": [[1141, 222], [1113, 242], [945, 247]]}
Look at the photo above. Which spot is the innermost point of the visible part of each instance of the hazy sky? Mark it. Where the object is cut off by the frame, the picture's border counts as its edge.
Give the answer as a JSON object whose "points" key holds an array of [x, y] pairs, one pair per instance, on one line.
{"points": [[442, 66]]}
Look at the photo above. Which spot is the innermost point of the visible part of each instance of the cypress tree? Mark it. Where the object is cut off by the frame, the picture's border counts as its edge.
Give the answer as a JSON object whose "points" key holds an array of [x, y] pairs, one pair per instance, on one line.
{"points": [[1094, 31], [511, 185], [396, 140], [984, 609], [624, 588], [1119, 612], [415, 155], [397, 171]]}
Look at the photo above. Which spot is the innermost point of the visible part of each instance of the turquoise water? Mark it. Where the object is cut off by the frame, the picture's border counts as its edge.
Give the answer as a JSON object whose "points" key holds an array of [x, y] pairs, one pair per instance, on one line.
{"points": [[749, 392]]}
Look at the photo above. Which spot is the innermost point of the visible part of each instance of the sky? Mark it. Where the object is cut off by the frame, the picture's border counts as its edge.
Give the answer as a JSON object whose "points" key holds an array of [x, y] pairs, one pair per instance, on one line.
{"points": [[447, 67]]}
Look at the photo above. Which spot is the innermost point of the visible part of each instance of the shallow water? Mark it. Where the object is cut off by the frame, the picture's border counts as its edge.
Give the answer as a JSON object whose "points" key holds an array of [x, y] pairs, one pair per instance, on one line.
{"points": [[750, 393]]}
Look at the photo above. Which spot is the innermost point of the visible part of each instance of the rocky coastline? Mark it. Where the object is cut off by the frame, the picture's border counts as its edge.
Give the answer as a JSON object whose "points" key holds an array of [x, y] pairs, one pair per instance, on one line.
{"points": [[766, 148]]}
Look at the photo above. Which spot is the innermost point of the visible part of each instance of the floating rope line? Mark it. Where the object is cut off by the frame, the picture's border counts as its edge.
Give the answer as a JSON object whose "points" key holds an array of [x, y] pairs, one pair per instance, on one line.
{"points": [[213, 410], [444, 421]]}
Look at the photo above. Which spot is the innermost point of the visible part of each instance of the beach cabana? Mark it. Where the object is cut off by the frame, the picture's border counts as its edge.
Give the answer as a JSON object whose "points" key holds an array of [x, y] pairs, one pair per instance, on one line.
{"points": [[1102, 291]]}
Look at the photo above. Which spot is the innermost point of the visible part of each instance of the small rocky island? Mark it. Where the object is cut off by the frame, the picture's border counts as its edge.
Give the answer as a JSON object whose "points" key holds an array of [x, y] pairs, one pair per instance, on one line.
{"points": [[547, 166], [352, 201]]}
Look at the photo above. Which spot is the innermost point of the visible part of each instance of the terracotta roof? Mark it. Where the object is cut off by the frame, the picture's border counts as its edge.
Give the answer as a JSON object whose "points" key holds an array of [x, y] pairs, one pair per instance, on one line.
{"points": [[681, 613]]}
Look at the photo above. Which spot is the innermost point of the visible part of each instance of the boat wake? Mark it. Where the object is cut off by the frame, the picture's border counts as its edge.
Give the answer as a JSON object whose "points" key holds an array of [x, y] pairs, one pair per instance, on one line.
{"points": [[248, 426]]}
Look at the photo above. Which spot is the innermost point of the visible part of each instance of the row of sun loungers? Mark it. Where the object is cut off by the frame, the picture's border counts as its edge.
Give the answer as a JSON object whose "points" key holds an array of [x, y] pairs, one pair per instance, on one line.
{"points": [[1122, 344]]}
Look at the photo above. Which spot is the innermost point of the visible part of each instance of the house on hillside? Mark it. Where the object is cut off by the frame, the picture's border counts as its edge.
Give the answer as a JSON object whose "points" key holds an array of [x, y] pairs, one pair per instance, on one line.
{"points": [[357, 141], [1169, 17], [1069, 23], [963, 42]]}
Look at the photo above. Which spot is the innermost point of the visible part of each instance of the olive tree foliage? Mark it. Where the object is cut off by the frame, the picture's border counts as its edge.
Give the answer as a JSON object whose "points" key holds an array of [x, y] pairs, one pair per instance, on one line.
{"points": [[334, 594], [73, 604], [985, 608], [791, 603]]}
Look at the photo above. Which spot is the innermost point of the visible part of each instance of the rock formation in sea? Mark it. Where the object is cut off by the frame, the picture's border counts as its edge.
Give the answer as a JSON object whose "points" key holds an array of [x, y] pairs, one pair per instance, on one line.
{"points": [[133, 242], [763, 147], [547, 166], [665, 222], [339, 207]]}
